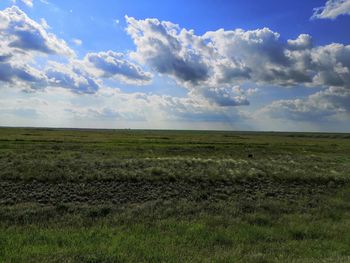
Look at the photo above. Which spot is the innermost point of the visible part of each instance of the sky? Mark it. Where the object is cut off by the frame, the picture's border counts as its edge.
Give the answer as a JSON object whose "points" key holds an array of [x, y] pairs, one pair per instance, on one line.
{"points": [[195, 64]]}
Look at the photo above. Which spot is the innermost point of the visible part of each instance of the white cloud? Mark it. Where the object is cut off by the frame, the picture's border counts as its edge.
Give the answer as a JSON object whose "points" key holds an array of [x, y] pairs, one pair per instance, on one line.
{"points": [[22, 40], [159, 45], [252, 91], [77, 42], [19, 32], [16, 74], [213, 67], [44, 23], [332, 9], [304, 41], [116, 65], [210, 65], [224, 96], [314, 108], [26, 2], [112, 108], [187, 58], [71, 76]]}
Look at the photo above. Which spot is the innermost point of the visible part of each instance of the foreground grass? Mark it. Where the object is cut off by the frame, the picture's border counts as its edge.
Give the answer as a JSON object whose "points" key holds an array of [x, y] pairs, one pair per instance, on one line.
{"points": [[181, 232], [165, 196], [293, 239]]}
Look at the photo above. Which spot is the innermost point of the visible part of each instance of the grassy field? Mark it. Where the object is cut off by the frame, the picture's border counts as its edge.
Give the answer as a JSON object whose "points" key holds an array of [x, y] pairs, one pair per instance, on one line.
{"points": [[173, 196]]}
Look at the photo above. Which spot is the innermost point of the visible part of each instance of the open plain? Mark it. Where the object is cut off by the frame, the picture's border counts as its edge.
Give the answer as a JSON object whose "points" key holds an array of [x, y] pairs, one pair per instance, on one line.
{"points": [[173, 196]]}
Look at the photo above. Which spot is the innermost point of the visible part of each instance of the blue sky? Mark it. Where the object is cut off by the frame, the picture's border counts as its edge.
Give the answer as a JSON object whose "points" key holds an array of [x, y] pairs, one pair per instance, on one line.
{"points": [[94, 22], [240, 65]]}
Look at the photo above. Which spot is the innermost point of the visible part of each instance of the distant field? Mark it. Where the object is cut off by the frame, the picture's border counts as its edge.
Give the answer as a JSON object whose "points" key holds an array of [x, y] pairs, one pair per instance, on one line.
{"points": [[173, 196]]}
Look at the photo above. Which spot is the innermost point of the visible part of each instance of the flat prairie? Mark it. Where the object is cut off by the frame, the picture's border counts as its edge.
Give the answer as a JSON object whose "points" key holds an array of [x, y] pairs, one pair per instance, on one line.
{"points": [[75, 195]]}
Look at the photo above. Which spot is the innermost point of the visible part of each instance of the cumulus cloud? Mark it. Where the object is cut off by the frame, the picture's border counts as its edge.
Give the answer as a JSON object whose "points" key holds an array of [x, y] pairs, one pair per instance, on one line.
{"points": [[168, 109], [115, 65], [209, 65], [16, 70], [26, 2], [22, 41], [194, 110], [71, 76], [323, 104], [332, 9], [187, 58], [44, 23], [11, 73], [213, 67], [105, 113], [331, 65], [113, 108], [20, 32], [304, 41], [77, 42], [159, 45], [224, 96]]}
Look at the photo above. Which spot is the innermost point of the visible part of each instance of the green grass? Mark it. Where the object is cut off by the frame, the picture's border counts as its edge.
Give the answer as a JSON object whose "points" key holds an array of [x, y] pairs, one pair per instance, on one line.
{"points": [[175, 241], [173, 196]]}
